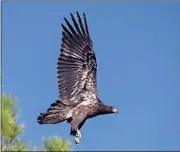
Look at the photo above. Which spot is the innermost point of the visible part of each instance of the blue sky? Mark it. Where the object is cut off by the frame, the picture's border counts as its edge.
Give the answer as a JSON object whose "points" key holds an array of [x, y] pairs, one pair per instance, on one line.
{"points": [[138, 54]]}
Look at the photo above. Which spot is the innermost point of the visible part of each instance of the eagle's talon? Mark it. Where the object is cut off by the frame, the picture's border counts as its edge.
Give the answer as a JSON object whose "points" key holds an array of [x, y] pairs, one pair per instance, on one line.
{"points": [[78, 134], [77, 140]]}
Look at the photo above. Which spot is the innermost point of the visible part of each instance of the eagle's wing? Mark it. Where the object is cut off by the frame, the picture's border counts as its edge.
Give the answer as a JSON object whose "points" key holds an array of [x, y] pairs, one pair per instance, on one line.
{"points": [[77, 62]]}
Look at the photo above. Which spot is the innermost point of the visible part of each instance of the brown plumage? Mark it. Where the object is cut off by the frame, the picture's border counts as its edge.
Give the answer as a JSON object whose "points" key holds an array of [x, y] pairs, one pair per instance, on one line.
{"points": [[76, 69]]}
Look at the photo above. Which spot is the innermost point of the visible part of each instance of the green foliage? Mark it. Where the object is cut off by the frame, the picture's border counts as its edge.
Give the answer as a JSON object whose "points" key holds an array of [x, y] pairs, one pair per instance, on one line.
{"points": [[11, 131], [19, 146], [9, 126], [56, 144]]}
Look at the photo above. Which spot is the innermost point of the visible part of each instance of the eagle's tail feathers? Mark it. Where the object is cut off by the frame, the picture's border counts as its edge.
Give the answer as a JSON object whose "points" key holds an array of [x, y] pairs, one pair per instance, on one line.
{"points": [[58, 112]]}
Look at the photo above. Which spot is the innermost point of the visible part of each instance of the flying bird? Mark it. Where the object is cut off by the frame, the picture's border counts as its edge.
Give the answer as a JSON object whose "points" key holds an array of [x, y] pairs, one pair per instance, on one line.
{"points": [[77, 85]]}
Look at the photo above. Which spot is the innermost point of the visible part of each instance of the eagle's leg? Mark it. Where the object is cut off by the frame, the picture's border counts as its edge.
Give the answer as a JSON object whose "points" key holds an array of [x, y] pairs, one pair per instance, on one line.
{"points": [[75, 132], [78, 134], [76, 124]]}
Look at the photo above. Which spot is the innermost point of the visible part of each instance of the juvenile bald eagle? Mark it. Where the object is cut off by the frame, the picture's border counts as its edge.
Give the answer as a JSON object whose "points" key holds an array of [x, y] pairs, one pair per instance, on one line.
{"points": [[76, 69]]}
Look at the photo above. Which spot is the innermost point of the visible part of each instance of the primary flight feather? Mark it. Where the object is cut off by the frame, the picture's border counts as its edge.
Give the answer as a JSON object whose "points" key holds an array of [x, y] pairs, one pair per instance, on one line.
{"points": [[76, 69]]}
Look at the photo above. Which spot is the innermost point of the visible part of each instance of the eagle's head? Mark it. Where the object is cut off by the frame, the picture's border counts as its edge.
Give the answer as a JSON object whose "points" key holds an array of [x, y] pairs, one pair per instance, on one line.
{"points": [[105, 109]]}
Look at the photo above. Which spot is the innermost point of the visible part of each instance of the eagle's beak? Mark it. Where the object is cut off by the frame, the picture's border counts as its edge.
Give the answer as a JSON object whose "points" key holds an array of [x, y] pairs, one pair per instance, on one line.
{"points": [[115, 111]]}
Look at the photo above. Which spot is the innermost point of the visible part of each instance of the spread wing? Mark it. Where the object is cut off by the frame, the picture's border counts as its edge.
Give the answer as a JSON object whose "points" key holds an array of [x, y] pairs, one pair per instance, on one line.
{"points": [[77, 62]]}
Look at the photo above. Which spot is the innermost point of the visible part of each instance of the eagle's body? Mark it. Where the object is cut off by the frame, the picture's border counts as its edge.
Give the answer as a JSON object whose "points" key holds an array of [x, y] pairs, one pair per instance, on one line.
{"points": [[76, 68]]}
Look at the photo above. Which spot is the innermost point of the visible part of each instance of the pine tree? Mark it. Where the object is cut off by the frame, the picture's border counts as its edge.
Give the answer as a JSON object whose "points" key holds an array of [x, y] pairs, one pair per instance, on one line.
{"points": [[11, 131]]}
